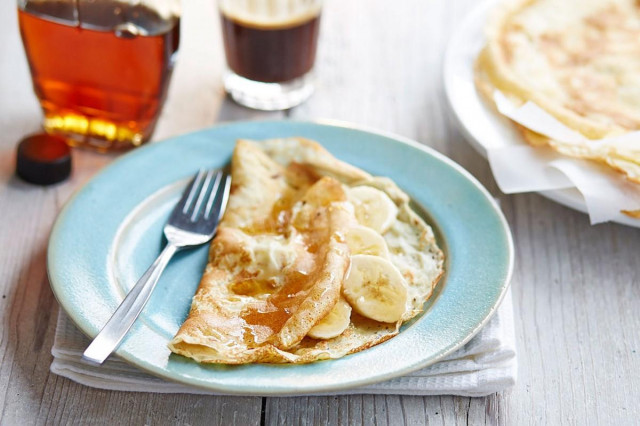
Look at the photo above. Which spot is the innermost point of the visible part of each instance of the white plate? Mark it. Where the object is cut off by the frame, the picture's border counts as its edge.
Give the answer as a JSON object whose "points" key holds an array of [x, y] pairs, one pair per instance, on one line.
{"points": [[481, 126]]}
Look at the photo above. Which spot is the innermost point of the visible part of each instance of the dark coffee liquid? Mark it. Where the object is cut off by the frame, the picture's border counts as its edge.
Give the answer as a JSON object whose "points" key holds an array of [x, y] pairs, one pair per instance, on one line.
{"points": [[270, 54]]}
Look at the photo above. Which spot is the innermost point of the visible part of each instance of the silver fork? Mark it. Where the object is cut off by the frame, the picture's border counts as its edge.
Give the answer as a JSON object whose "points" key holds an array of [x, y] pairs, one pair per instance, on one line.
{"points": [[193, 222]]}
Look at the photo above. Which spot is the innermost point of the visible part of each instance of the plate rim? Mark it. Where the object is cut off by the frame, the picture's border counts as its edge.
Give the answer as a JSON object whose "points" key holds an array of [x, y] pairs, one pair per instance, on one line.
{"points": [[309, 390], [569, 197]]}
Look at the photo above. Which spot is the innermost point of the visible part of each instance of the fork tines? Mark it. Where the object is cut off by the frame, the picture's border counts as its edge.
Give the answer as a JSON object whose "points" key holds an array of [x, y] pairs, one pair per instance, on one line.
{"points": [[209, 185]]}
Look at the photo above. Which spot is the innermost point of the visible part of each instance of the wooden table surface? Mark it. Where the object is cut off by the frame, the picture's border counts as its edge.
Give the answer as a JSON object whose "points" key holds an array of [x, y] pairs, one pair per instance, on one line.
{"points": [[576, 286]]}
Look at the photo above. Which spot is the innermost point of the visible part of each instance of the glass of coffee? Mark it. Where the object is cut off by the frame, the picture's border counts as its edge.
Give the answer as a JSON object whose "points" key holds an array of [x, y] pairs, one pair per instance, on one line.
{"points": [[100, 68], [270, 46]]}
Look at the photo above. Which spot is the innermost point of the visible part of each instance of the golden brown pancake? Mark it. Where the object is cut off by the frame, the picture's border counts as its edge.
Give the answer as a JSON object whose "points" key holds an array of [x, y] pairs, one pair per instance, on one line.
{"points": [[279, 260], [579, 60]]}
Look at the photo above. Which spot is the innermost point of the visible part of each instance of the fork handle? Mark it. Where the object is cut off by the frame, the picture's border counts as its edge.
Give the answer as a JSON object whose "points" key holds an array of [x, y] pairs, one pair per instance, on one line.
{"points": [[123, 318]]}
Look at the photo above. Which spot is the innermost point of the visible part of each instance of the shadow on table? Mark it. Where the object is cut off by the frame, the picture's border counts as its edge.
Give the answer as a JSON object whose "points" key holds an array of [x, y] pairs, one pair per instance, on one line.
{"points": [[231, 111]]}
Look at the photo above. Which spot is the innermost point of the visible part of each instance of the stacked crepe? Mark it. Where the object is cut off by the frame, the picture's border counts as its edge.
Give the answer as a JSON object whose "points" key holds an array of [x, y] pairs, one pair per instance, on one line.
{"points": [[578, 60], [313, 259]]}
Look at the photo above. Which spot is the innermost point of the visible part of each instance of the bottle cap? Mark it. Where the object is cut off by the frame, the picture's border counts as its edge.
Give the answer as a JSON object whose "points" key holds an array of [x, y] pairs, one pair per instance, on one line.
{"points": [[43, 159]]}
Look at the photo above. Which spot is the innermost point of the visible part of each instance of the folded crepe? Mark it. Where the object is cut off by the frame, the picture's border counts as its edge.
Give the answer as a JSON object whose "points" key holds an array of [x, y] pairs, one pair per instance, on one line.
{"points": [[281, 256], [579, 60]]}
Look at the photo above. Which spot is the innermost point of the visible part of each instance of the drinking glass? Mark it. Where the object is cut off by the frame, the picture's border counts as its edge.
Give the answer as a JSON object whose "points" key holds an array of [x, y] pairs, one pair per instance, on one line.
{"points": [[100, 68], [270, 46]]}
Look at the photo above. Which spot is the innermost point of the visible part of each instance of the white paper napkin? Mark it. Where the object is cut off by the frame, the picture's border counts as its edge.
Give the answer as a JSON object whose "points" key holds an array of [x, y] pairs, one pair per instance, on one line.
{"points": [[519, 167], [486, 364]]}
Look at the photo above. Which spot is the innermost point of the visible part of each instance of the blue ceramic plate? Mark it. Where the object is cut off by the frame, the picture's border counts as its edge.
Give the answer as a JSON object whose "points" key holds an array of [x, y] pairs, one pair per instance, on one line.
{"points": [[111, 230]]}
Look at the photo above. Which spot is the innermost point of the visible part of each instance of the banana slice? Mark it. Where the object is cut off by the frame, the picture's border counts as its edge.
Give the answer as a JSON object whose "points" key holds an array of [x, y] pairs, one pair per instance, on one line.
{"points": [[373, 208], [375, 288], [334, 323], [364, 240]]}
